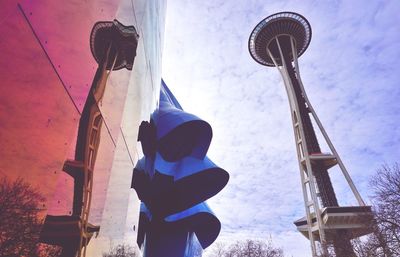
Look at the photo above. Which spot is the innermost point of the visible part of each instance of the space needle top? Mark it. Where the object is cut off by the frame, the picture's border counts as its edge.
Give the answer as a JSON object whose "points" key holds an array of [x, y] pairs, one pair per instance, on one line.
{"points": [[282, 25]]}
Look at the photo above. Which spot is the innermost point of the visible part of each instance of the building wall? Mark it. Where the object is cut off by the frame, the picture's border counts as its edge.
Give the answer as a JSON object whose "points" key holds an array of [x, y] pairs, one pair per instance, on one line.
{"points": [[120, 216], [50, 68], [47, 72]]}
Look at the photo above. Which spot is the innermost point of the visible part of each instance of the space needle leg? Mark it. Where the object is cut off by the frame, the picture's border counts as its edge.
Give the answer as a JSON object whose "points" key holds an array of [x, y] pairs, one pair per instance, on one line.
{"points": [[327, 139]]}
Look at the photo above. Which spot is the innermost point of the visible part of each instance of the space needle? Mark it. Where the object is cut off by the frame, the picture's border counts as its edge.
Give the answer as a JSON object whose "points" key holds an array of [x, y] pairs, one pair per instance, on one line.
{"points": [[278, 41]]}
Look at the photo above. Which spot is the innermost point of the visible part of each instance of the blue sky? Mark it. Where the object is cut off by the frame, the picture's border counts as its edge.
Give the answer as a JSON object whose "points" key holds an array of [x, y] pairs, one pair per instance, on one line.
{"points": [[350, 72]]}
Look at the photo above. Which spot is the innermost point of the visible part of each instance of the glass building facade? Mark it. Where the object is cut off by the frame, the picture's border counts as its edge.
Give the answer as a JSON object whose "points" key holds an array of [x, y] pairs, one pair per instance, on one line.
{"points": [[47, 76]]}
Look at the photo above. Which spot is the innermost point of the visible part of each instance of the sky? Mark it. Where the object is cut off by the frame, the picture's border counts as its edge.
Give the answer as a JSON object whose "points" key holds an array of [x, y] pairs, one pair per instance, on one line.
{"points": [[350, 73]]}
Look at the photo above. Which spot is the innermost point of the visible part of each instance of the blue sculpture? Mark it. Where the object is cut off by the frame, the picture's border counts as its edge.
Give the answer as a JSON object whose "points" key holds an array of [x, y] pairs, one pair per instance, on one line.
{"points": [[180, 134], [173, 180]]}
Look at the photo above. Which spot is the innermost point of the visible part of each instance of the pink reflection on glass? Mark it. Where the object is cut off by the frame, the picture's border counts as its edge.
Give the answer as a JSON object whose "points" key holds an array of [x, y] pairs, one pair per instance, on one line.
{"points": [[64, 30], [37, 117]]}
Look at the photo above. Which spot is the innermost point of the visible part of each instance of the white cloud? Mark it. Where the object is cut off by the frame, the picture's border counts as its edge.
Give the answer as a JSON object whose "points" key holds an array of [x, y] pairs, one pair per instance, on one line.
{"points": [[350, 72]]}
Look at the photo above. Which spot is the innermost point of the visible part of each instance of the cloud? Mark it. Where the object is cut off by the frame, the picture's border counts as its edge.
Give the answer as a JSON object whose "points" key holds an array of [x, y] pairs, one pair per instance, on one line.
{"points": [[349, 72]]}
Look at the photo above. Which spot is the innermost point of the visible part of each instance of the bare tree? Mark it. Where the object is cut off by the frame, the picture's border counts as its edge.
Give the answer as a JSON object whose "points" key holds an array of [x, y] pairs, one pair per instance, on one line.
{"points": [[218, 249], [385, 239], [121, 250], [369, 246], [386, 184], [46, 250], [19, 222], [248, 248]]}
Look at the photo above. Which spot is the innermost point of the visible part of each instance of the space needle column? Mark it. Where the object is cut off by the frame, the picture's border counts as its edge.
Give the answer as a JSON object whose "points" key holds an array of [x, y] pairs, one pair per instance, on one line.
{"points": [[278, 41]]}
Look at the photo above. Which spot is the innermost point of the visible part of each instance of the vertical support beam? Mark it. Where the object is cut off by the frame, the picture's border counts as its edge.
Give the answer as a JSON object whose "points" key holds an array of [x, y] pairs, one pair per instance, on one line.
{"points": [[91, 147], [326, 137], [302, 153], [299, 157], [310, 172]]}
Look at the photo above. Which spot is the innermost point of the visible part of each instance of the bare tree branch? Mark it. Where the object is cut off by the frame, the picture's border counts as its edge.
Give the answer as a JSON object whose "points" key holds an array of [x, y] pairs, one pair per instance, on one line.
{"points": [[247, 248]]}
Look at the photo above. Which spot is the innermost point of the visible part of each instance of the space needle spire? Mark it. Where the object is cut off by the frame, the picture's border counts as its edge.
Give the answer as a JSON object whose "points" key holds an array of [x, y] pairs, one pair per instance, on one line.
{"points": [[278, 41]]}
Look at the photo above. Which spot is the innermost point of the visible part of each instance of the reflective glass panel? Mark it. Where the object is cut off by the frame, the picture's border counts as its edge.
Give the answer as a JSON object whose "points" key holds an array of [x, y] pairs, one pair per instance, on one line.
{"points": [[37, 116]]}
